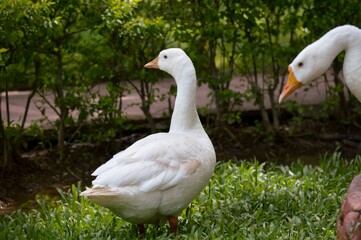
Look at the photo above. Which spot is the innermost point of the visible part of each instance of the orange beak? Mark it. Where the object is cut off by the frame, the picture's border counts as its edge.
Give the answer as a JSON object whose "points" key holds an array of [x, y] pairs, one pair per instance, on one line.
{"points": [[152, 64], [291, 85]]}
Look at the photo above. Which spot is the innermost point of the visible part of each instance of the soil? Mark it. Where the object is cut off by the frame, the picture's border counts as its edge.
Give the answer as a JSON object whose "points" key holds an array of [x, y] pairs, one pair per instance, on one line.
{"points": [[40, 172]]}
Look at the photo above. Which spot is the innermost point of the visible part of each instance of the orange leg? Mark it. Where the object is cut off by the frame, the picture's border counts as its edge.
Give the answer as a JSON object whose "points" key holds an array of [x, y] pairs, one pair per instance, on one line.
{"points": [[173, 223], [141, 229]]}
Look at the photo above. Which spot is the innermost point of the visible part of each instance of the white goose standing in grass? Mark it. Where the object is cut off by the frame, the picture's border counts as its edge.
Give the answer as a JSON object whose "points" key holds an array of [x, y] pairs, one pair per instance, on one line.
{"points": [[317, 57], [157, 177]]}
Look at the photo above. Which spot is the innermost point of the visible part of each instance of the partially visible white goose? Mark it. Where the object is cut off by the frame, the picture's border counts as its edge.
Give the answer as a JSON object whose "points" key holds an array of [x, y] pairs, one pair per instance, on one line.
{"points": [[158, 176], [309, 64], [317, 57]]}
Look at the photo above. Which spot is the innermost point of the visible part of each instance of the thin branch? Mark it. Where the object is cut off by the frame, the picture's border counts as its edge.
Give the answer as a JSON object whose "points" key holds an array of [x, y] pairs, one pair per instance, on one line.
{"points": [[47, 102]]}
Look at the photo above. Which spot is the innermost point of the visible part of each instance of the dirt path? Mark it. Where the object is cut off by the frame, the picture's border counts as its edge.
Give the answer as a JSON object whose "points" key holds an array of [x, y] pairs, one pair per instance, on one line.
{"points": [[17, 101]]}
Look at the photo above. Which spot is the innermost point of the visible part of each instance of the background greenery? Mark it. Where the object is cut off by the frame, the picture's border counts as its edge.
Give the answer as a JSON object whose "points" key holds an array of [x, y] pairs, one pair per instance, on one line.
{"points": [[66, 47]]}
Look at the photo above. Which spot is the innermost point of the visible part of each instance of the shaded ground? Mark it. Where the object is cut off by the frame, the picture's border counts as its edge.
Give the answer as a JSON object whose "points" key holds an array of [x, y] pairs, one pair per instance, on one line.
{"points": [[39, 172]]}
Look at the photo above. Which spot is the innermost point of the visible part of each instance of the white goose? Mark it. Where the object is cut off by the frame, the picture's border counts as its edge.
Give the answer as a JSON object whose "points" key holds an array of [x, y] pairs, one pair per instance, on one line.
{"points": [[158, 176], [309, 64], [317, 57]]}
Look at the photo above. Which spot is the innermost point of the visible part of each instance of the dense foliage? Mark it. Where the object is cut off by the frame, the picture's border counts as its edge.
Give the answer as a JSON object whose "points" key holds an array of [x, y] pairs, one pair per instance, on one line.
{"points": [[67, 47], [243, 201]]}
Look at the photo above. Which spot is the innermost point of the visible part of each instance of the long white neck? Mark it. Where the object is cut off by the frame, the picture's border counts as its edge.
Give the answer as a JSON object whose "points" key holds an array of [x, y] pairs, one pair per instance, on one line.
{"points": [[344, 38], [352, 61], [185, 116]]}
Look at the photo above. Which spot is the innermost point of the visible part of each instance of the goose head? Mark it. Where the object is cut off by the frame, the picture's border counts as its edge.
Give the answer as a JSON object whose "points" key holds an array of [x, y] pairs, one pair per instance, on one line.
{"points": [[309, 64], [172, 61]]}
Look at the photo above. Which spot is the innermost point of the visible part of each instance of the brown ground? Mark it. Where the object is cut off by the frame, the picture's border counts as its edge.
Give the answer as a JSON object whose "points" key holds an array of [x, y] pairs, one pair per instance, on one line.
{"points": [[39, 171]]}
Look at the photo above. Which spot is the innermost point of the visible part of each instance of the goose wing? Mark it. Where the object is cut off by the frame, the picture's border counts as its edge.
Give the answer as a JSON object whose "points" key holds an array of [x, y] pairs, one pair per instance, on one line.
{"points": [[157, 162]]}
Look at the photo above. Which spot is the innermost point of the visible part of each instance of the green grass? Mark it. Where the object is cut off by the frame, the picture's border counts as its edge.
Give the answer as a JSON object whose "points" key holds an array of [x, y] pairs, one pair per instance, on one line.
{"points": [[243, 201]]}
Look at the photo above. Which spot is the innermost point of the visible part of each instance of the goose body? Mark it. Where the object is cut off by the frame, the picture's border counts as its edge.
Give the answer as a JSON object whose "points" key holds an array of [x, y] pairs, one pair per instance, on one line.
{"points": [[157, 177], [317, 57]]}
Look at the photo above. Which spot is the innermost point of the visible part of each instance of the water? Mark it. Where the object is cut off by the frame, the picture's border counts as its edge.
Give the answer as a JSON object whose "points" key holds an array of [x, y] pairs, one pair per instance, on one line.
{"points": [[27, 201]]}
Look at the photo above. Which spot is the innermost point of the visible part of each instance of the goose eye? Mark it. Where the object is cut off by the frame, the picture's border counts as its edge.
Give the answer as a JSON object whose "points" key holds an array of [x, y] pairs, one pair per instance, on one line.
{"points": [[165, 56], [300, 64]]}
